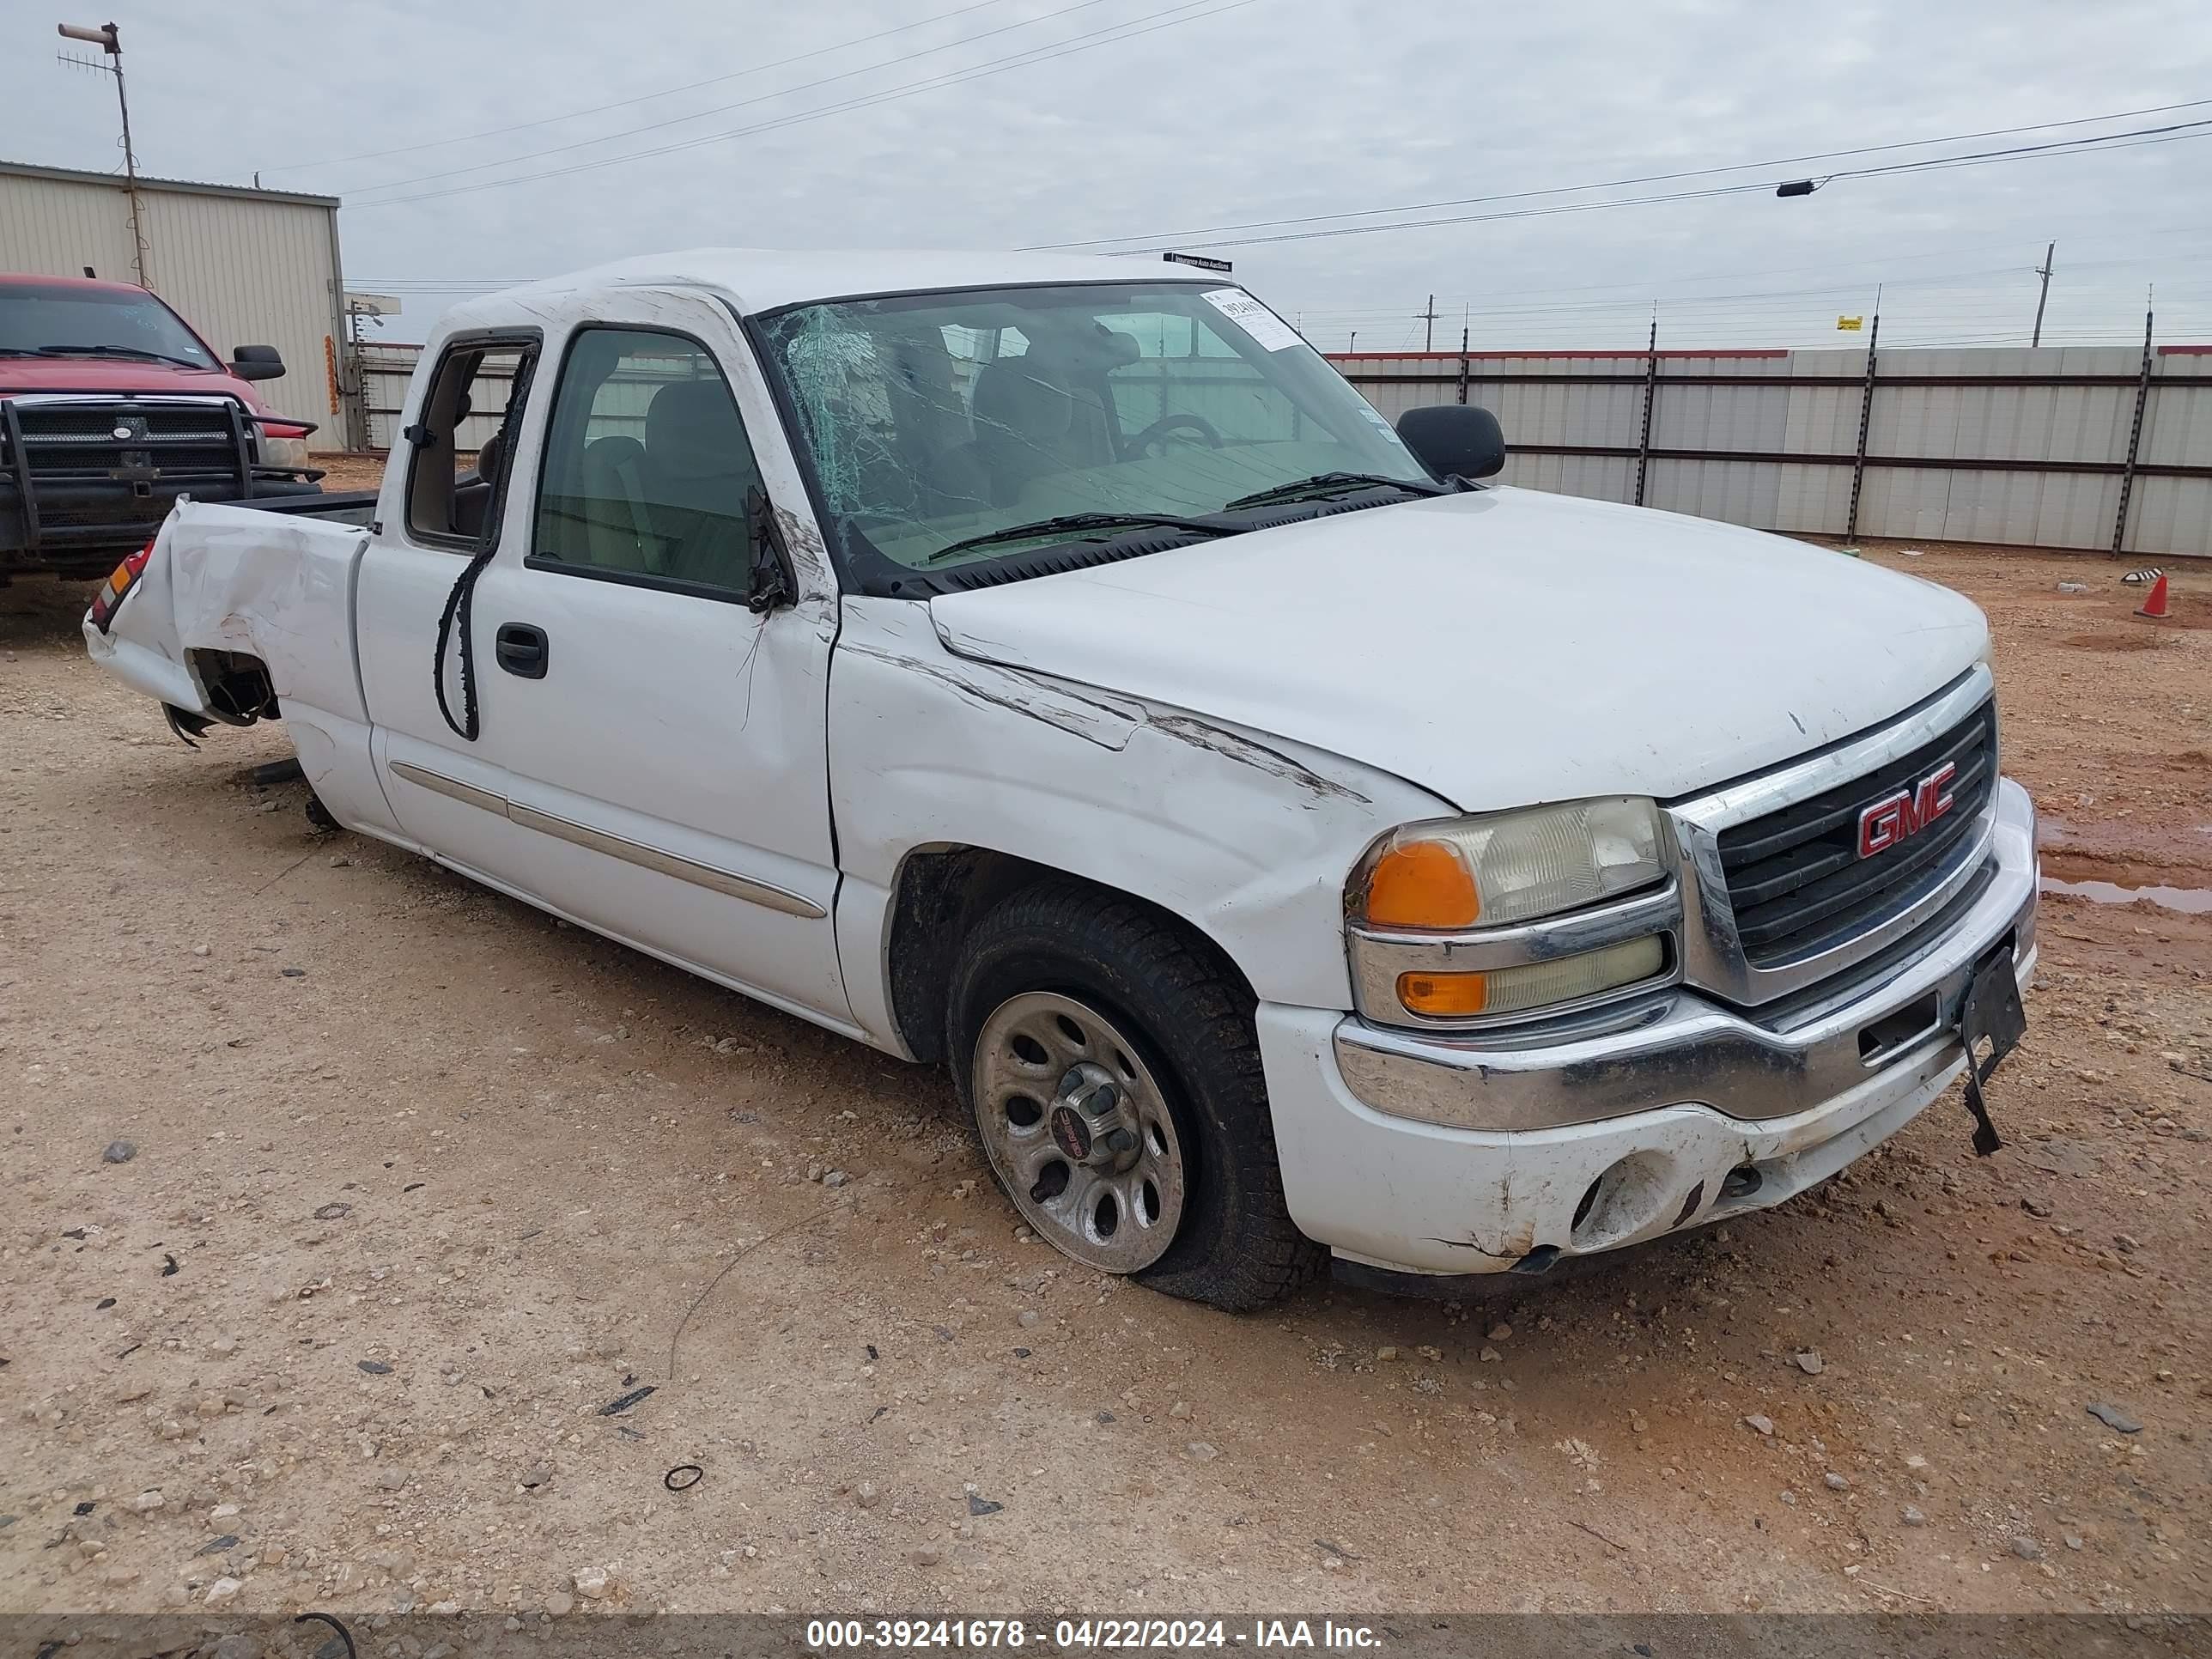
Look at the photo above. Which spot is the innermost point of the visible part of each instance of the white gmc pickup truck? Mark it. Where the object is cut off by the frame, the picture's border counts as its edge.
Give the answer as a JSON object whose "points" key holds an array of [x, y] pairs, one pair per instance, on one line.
{"points": [[1294, 845]]}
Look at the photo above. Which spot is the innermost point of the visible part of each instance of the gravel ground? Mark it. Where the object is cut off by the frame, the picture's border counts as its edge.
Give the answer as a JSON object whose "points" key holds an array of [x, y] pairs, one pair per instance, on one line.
{"points": [[418, 1187]]}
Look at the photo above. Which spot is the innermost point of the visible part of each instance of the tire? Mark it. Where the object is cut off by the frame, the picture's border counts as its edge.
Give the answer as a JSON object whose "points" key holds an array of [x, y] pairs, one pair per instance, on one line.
{"points": [[1167, 1030]]}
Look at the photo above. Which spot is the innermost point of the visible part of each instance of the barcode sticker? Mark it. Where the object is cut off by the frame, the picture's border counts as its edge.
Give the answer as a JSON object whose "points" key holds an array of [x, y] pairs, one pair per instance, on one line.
{"points": [[1272, 332]]}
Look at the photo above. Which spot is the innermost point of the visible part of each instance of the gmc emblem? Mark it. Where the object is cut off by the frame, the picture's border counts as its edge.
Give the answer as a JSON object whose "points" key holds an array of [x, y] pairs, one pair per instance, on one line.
{"points": [[1906, 813]]}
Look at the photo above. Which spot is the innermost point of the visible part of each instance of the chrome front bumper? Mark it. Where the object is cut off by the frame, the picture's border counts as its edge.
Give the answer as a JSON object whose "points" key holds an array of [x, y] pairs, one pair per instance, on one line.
{"points": [[1681, 1047], [1423, 1153]]}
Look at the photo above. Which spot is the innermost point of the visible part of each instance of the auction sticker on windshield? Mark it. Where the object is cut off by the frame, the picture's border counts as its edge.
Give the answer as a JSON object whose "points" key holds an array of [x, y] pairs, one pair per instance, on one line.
{"points": [[1255, 318]]}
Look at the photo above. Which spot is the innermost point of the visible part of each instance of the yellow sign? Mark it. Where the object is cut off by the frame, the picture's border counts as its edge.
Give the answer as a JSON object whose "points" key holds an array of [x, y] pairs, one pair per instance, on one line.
{"points": [[1854, 323]]}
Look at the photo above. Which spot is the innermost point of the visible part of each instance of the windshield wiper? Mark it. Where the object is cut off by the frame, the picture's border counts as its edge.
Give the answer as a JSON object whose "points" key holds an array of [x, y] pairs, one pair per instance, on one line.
{"points": [[1074, 525], [1324, 484], [114, 351]]}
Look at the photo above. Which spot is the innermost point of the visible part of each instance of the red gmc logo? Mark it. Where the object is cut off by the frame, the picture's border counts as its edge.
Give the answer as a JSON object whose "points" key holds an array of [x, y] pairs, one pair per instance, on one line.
{"points": [[1905, 813]]}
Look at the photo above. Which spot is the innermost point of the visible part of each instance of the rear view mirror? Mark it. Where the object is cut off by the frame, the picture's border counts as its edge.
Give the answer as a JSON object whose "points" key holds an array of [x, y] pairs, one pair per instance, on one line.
{"points": [[1455, 439], [257, 363]]}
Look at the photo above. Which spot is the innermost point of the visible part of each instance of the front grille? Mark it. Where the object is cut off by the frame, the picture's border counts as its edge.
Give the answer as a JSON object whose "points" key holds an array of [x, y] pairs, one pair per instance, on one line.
{"points": [[75, 441], [1795, 880]]}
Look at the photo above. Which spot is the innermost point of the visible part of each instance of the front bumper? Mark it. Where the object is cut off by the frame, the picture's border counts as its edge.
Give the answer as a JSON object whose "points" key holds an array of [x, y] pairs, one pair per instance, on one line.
{"points": [[1428, 1154], [81, 527]]}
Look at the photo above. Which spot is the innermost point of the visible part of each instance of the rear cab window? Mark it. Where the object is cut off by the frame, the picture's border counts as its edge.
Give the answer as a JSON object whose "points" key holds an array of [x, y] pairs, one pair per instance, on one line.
{"points": [[456, 476]]}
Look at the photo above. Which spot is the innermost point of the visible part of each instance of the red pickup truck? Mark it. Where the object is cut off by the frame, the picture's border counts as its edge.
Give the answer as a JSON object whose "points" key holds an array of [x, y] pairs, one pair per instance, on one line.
{"points": [[111, 407]]}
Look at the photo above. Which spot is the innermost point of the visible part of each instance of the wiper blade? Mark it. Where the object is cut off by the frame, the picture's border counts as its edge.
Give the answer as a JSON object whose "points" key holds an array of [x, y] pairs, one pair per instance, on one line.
{"points": [[1072, 525], [1322, 484], [115, 351]]}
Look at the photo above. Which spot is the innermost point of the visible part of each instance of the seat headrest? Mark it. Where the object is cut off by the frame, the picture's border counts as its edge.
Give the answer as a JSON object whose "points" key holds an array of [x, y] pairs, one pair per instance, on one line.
{"points": [[692, 430]]}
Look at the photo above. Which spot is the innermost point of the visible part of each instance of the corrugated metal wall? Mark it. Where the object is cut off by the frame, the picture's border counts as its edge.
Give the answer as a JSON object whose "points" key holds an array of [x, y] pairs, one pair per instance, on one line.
{"points": [[2054, 424], [243, 269], [385, 371], [1725, 427]]}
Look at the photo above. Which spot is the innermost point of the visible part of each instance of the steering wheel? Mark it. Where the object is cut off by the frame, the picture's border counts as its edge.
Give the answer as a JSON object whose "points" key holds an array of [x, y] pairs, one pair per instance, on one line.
{"points": [[1156, 433]]}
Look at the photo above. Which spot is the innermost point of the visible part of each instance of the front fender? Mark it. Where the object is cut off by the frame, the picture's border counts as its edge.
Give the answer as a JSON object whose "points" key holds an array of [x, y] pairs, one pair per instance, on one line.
{"points": [[1246, 837]]}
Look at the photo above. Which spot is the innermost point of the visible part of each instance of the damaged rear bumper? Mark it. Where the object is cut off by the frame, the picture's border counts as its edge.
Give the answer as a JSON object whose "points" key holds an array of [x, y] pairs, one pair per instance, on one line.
{"points": [[1413, 1152]]}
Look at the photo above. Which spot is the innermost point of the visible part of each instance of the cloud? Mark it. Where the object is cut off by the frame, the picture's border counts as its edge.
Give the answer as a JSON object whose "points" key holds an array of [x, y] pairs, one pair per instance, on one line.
{"points": [[1272, 110]]}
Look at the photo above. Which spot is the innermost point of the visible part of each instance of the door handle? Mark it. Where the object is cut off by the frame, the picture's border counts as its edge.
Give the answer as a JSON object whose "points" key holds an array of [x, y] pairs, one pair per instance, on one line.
{"points": [[521, 650]]}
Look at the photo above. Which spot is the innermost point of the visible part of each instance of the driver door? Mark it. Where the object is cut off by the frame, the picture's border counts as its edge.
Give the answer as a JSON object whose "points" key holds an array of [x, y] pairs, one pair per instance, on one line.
{"points": [[660, 749]]}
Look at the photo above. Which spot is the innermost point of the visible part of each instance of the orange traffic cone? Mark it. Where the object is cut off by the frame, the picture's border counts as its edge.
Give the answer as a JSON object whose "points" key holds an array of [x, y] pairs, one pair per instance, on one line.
{"points": [[2154, 607]]}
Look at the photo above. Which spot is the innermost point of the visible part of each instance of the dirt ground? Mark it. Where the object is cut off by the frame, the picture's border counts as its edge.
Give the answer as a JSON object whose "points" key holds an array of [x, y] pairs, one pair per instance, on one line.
{"points": [[425, 1181]]}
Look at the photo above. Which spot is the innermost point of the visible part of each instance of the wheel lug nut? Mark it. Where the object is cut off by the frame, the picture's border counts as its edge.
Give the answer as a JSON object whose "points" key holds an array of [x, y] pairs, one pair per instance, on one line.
{"points": [[1100, 1101], [1120, 1140]]}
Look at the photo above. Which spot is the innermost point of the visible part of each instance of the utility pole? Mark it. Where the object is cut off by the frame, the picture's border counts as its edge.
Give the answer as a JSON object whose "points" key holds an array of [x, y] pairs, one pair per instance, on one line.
{"points": [[2044, 271], [1429, 340], [1352, 344], [109, 39]]}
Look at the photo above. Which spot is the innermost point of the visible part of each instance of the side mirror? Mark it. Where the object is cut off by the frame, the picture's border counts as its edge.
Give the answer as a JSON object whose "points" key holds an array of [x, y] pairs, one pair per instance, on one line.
{"points": [[257, 363], [1455, 439]]}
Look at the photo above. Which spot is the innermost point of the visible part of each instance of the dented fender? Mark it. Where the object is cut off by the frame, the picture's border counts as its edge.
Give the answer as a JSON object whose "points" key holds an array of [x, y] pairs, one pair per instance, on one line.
{"points": [[1246, 837]]}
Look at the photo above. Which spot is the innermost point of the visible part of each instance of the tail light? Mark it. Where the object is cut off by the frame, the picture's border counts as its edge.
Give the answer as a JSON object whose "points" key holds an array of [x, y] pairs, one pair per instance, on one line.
{"points": [[110, 597]]}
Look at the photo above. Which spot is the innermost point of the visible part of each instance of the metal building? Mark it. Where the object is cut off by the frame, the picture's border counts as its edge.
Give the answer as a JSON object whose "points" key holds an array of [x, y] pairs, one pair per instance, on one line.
{"points": [[243, 266]]}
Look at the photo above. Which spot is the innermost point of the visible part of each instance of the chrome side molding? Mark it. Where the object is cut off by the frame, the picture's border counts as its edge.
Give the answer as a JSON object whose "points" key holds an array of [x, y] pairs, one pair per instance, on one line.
{"points": [[655, 859], [467, 794]]}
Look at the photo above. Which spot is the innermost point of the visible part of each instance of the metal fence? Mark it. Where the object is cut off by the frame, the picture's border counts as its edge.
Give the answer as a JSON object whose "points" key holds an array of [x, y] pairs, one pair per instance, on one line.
{"points": [[381, 373], [2099, 448], [2070, 446]]}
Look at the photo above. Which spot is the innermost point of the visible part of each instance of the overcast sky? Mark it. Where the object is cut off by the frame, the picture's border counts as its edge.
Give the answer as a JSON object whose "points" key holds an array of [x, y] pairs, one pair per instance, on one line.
{"points": [[1159, 119]]}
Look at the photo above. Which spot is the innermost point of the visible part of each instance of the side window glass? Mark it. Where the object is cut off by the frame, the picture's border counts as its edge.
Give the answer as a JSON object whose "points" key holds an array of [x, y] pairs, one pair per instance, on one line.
{"points": [[647, 466], [455, 479]]}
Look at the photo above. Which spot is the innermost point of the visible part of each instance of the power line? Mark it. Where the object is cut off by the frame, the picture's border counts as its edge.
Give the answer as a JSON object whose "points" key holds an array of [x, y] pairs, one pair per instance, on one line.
{"points": [[643, 98], [742, 103], [1624, 183], [2080, 146], [1192, 11]]}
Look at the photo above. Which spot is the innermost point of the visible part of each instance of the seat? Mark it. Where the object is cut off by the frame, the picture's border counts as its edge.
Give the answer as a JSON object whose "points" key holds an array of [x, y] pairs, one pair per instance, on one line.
{"points": [[1030, 422], [473, 497], [608, 525], [694, 473], [930, 434]]}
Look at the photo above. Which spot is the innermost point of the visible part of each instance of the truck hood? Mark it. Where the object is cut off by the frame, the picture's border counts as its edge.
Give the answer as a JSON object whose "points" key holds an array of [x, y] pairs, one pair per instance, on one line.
{"points": [[116, 377], [1502, 647]]}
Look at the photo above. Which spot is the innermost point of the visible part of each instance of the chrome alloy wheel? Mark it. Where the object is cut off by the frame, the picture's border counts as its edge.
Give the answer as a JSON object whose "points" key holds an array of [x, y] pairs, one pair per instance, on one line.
{"points": [[1075, 1124]]}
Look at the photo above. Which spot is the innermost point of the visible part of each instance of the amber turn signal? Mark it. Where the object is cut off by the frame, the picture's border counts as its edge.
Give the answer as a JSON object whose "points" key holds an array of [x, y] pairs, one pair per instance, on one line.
{"points": [[1422, 884], [1444, 996]]}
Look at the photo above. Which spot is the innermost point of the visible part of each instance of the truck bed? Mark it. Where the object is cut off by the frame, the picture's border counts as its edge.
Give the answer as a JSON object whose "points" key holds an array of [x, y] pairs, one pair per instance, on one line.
{"points": [[353, 506], [236, 594]]}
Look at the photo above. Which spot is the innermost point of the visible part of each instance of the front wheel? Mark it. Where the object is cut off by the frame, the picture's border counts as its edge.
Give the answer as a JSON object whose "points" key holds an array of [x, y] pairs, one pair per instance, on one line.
{"points": [[1109, 1065]]}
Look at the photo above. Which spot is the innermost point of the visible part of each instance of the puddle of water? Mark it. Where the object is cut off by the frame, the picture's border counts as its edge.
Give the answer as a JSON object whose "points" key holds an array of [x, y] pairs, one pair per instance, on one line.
{"points": [[2190, 901]]}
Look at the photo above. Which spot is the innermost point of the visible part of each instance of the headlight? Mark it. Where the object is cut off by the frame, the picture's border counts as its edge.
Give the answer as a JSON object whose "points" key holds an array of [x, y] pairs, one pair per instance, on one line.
{"points": [[1509, 867], [283, 446], [1470, 922]]}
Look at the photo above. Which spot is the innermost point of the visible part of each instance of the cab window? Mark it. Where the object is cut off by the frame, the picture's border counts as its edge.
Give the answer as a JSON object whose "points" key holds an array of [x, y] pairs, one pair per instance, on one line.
{"points": [[647, 469], [456, 477]]}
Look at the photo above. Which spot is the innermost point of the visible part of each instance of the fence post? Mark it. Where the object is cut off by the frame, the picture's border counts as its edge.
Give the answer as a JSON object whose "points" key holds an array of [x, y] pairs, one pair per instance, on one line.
{"points": [[1866, 417], [1650, 396], [2135, 441], [1463, 365]]}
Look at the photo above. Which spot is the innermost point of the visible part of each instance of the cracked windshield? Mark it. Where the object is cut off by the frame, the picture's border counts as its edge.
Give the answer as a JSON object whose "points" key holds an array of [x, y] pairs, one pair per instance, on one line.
{"points": [[940, 424]]}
